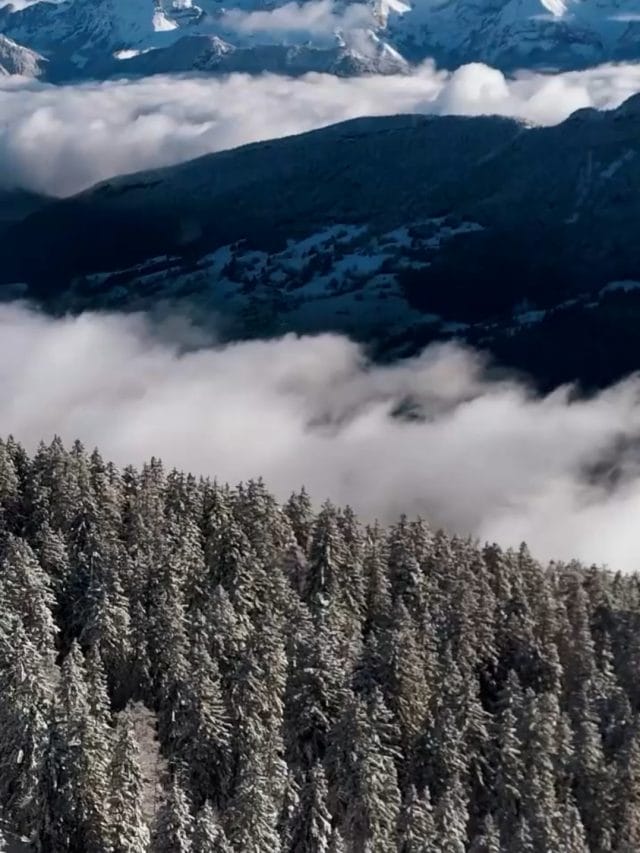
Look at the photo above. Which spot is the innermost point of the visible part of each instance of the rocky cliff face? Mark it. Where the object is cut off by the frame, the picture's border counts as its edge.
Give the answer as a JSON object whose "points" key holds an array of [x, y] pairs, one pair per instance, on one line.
{"points": [[16, 59]]}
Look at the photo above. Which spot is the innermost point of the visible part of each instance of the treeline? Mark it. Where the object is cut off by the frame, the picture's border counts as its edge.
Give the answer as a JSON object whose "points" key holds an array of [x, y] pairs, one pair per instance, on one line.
{"points": [[317, 685]]}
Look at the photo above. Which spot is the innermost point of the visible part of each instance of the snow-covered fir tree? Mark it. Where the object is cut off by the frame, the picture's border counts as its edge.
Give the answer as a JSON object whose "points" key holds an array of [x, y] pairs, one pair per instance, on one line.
{"points": [[129, 831], [313, 684]]}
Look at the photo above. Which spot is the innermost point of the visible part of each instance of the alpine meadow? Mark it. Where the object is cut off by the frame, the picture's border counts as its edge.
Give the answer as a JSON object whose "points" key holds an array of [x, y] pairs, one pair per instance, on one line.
{"points": [[319, 426]]}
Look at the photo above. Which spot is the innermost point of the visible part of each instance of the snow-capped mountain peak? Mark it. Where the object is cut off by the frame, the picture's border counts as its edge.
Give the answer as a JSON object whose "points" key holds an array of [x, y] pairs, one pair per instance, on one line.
{"points": [[81, 37]]}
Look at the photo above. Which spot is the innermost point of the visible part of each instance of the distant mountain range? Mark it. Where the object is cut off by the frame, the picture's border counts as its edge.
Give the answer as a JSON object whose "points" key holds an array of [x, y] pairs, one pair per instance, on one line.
{"points": [[104, 38], [396, 230]]}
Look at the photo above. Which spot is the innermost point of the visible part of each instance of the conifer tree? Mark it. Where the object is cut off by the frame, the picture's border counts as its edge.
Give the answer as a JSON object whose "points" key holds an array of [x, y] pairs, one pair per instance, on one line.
{"points": [[629, 794], [441, 758], [172, 832], [416, 827], [487, 839], [25, 592], [227, 633], [592, 782], [336, 843], [10, 497], [26, 695], [312, 697], [452, 815], [107, 626], [93, 767], [312, 829], [168, 649], [376, 581], [406, 677], [55, 824], [79, 756], [54, 559], [509, 771], [367, 781], [299, 511], [253, 814], [289, 810], [208, 834], [571, 834], [202, 730], [328, 556], [129, 832], [540, 802], [522, 838], [53, 486], [407, 545]]}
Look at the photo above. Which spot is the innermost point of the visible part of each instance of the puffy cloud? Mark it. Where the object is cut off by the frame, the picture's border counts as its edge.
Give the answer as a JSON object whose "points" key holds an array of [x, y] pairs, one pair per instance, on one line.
{"points": [[62, 139], [481, 455], [313, 18]]}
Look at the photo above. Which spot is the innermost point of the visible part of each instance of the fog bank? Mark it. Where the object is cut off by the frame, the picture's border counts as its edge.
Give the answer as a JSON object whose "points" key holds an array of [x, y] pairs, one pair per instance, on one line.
{"points": [[479, 455], [62, 139]]}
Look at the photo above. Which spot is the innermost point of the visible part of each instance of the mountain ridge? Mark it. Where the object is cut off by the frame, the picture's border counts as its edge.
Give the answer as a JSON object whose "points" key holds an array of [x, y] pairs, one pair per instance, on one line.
{"points": [[106, 38], [395, 230]]}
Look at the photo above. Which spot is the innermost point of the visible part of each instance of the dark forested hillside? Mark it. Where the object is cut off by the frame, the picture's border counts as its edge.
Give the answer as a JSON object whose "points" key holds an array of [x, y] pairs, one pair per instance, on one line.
{"points": [[396, 231], [316, 684]]}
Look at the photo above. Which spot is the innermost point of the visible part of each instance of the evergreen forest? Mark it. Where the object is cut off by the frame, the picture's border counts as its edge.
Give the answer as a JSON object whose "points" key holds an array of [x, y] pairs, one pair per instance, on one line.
{"points": [[190, 667]]}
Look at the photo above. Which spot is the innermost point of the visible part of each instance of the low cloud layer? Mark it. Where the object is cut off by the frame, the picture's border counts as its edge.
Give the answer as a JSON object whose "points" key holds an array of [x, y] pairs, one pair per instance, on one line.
{"points": [[61, 140], [481, 455]]}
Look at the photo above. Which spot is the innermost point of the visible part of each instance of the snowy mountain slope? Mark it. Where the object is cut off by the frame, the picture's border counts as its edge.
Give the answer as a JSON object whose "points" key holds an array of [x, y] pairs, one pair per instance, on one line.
{"points": [[397, 230], [88, 25], [88, 37], [213, 55], [15, 59], [82, 37], [519, 33], [80, 34]]}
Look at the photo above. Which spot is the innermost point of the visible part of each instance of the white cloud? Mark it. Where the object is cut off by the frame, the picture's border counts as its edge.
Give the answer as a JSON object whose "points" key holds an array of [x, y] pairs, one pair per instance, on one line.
{"points": [[62, 139], [488, 457], [314, 18]]}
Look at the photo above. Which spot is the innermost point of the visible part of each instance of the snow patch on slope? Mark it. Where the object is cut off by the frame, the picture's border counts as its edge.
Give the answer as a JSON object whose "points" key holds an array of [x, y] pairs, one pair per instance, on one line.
{"points": [[343, 277]]}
